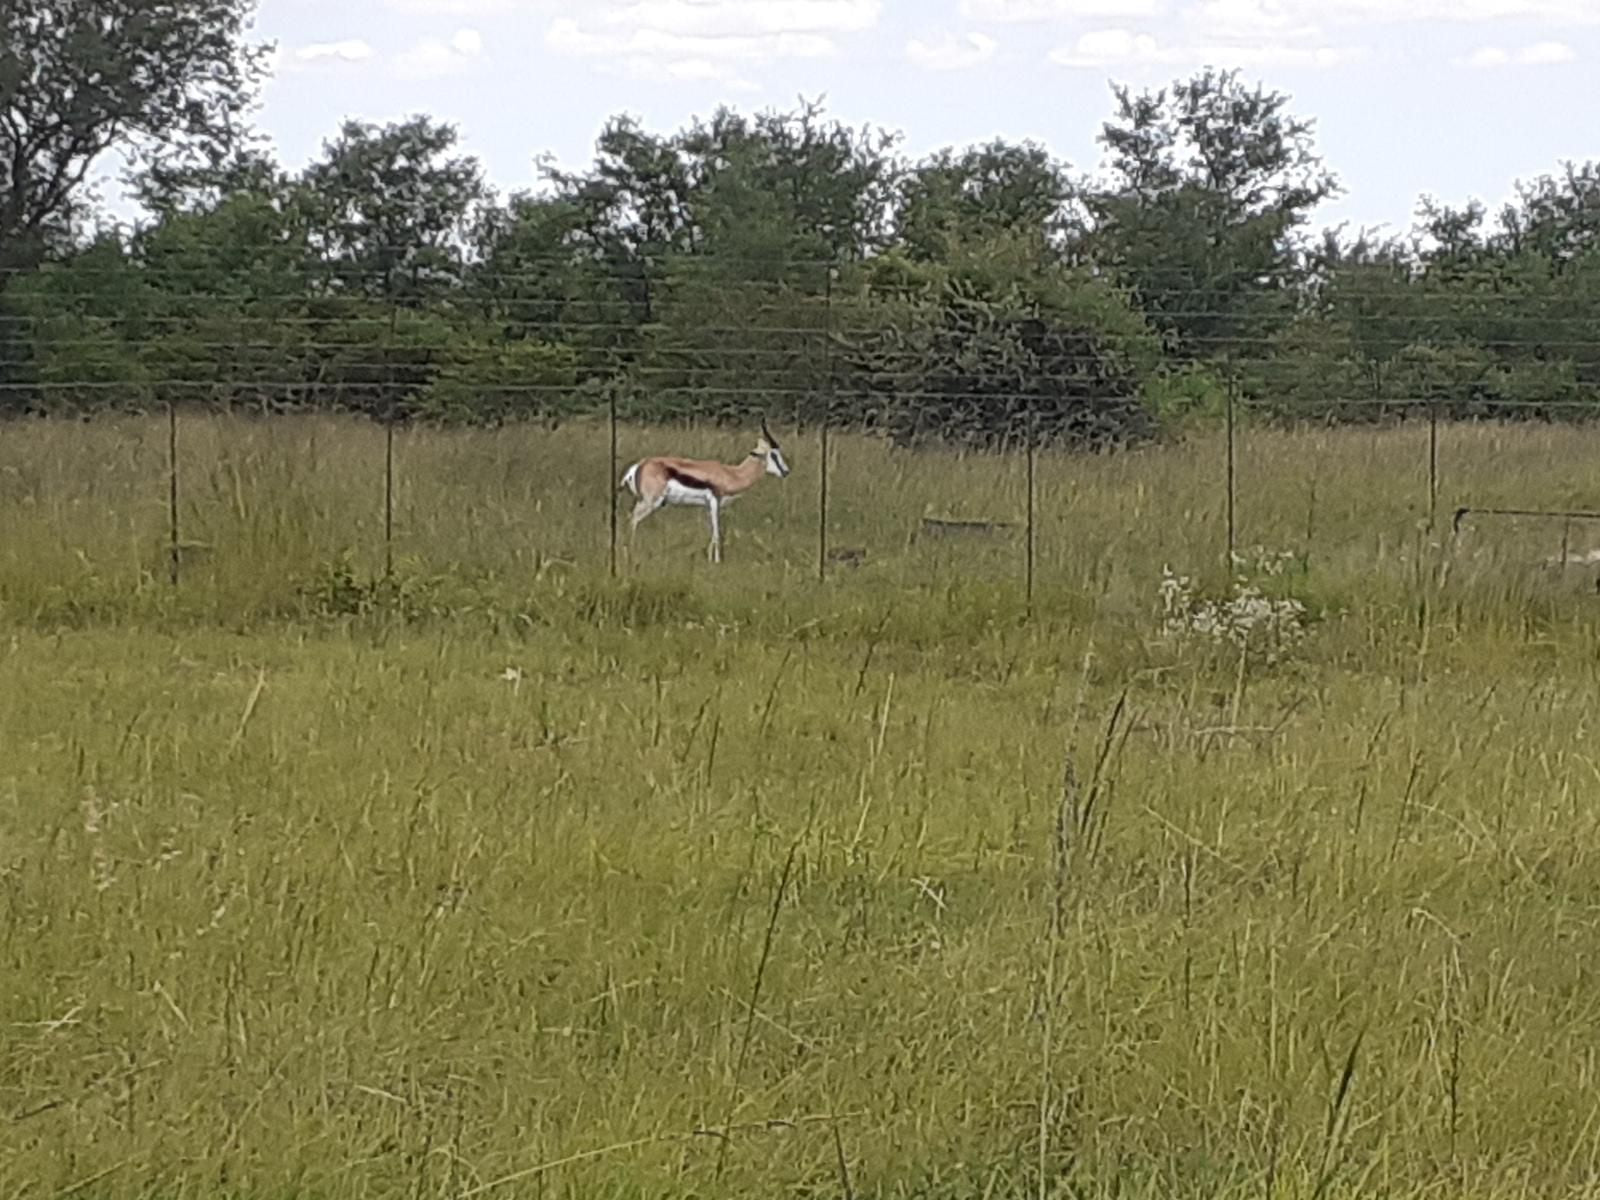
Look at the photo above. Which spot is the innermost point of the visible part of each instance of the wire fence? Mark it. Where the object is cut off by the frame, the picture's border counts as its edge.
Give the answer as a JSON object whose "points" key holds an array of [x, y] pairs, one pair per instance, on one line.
{"points": [[1007, 392]]}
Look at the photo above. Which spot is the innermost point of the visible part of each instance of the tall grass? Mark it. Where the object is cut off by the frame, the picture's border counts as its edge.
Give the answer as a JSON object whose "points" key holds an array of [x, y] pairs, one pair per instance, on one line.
{"points": [[505, 879]]}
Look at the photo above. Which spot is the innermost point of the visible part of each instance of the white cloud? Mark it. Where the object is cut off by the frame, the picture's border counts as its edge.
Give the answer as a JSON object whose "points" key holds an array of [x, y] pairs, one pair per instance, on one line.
{"points": [[453, 8], [746, 18], [1545, 54], [687, 70], [318, 56], [692, 70], [1273, 21], [1539, 54], [350, 50], [709, 40], [568, 37], [1563, 12], [434, 58], [1251, 19], [947, 52], [1017, 11], [1106, 47], [1109, 48], [1560, 12]]}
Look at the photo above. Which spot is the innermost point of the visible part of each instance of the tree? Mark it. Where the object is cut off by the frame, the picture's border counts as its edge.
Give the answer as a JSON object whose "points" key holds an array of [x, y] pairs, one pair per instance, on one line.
{"points": [[1557, 218], [163, 188], [1361, 310], [535, 274], [390, 208], [632, 210], [777, 203], [170, 80], [950, 199], [229, 275], [695, 262], [993, 348], [1209, 184], [1464, 318], [83, 321], [789, 189]]}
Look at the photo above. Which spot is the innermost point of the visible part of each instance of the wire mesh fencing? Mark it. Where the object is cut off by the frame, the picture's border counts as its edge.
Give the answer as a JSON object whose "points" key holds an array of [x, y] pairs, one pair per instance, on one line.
{"points": [[488, 428]]}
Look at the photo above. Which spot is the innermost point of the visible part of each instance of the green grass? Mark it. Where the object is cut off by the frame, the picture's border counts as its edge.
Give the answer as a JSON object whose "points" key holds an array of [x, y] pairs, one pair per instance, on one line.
{"points": [[313, 885]]}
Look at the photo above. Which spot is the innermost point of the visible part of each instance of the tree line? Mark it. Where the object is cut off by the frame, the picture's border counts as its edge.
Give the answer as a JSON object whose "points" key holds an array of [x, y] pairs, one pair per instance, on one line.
{"points": [[779, 262]]}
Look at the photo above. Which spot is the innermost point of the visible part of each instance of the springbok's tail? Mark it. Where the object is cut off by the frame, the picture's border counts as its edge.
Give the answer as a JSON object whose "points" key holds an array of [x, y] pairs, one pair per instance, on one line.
{"points": [[630, 479]]}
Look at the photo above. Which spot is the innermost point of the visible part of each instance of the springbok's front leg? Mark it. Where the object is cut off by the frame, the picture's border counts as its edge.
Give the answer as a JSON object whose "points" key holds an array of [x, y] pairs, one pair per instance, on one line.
{"points": [[714, 508]]}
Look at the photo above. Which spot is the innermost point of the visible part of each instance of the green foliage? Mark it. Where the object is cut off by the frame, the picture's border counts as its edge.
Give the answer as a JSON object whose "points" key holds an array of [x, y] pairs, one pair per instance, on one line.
{"points": [[492, 381], [77, 80], [389, 210], [1209, 183], [782, 191], [339, 589], [83, 320], [1185, 396], [760, 264], [1472, 322], [533, 276], [991, 349], [954, 200], [728, 348]]}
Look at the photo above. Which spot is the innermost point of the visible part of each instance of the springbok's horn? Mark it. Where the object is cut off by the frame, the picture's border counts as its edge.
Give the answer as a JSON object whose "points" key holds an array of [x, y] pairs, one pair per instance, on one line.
{"points": [[767, 433]]}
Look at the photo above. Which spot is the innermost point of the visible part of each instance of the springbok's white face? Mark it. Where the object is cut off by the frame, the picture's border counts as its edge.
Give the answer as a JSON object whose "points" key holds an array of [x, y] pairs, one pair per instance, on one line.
{"points": [[768, 451]]}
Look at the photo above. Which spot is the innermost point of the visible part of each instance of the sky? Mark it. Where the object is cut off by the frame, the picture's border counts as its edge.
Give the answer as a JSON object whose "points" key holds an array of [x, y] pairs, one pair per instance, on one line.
{"points": [[1456, 99]]}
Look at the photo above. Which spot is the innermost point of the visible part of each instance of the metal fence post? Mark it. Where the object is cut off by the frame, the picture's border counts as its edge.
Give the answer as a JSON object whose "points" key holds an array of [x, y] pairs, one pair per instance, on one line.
{"points": [[822, 433], [389, 405], [1231, 470], [388, 497], [173, 552], [612, 486], [1433, 464], [1033, 450]]}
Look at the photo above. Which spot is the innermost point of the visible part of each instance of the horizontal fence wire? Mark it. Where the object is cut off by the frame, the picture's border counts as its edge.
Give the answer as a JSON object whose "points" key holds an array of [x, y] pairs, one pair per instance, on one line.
{"points": [[806, 344], [779, 269], [1412, 404], [514, 329]]}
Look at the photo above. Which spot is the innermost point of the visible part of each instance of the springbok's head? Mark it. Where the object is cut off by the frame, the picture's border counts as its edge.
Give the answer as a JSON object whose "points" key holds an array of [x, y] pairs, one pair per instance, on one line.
{"points": [[767, 450]]}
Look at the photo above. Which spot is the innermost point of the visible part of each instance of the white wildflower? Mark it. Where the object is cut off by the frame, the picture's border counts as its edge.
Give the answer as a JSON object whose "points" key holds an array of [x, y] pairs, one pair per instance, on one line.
{"points": [[1247, 620]]}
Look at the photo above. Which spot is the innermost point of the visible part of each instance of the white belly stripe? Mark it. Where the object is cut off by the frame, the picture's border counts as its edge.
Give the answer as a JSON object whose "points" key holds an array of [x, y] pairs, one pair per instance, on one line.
{"points": [[678, 493]]}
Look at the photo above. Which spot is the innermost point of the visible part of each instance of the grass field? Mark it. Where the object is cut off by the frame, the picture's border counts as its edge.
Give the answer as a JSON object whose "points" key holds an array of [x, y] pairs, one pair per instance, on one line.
{"points": [[508, 879]]}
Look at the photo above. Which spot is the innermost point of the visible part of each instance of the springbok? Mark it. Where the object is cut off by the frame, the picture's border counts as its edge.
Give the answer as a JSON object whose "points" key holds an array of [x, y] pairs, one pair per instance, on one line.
{"points": [[662, 479]]}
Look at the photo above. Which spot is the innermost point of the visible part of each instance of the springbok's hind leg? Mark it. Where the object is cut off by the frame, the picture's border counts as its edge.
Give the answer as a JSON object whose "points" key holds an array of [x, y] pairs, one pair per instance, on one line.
{"points": [[641, 510]]}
